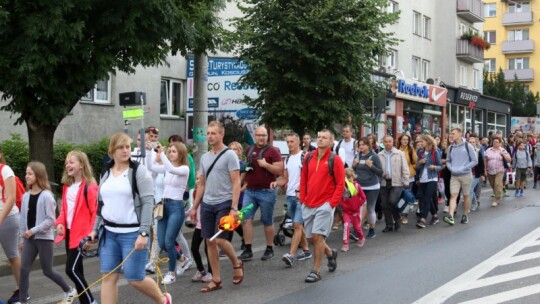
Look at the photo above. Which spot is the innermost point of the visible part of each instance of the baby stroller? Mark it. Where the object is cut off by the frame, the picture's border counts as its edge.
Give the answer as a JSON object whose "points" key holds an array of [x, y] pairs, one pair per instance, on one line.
{"points": [[285, 227]]}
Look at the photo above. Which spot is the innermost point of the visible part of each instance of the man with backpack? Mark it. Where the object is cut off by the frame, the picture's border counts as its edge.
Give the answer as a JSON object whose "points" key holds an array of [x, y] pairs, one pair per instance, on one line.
{"points": [[264, 164], [322, 184], [460, 161]]}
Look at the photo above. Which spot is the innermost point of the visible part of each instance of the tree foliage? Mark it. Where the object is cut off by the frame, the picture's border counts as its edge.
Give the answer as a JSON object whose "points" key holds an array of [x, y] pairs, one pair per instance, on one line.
{"points": [[523, 102], [311, 60], [53, 52]]}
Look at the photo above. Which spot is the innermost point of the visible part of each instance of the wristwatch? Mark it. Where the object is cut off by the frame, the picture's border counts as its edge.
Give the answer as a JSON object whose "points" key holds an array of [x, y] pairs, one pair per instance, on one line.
{"points": [[143, 233]]}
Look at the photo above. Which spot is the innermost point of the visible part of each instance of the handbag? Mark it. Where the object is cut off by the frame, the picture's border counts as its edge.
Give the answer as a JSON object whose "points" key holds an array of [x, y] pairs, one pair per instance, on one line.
{"points": [[158, 211]]}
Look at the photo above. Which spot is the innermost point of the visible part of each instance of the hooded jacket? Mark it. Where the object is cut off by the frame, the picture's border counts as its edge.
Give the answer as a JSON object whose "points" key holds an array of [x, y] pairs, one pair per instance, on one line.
{"points": [[461, 159]]}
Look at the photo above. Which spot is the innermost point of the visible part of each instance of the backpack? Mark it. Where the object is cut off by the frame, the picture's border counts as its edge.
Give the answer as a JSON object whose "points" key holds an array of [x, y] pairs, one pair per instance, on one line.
{"points": [[19, 189], [261, 152]]}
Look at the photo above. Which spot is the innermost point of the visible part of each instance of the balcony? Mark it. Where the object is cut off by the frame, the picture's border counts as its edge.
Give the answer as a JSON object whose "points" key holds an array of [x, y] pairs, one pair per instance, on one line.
{"points": [[466, 51], [523, 18], [518, 46], [470, 10], [522, 75]]}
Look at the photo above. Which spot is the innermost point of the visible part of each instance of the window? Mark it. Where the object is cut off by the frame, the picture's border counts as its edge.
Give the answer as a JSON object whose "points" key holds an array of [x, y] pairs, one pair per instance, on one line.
{"points": [[425, 69], [462, 29], [518, 63], [496, 122], [476, 79], [489, 65], [516, 35], [490, 36], [519, 7], [392, 7], [170, 101], [101, 92], [417, 23], [490, 9], [463, 75], [427, 27], [416, 68], [388, 61]]}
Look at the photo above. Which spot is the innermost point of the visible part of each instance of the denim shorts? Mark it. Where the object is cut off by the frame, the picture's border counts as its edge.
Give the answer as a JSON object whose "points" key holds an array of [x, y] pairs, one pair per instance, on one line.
{"points": [[294, 209], [210, 216], [115, 247], [263, 198]]}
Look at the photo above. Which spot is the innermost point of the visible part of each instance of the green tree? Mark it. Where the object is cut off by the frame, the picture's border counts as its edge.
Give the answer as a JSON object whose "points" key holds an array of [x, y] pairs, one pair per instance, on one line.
{"points": [[311, 60], [495, 85], [523, 103], [53, 52]]}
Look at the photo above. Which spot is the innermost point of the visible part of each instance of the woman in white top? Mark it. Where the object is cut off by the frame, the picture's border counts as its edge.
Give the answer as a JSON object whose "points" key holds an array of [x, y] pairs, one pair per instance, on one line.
{"points": [[176, 169]]}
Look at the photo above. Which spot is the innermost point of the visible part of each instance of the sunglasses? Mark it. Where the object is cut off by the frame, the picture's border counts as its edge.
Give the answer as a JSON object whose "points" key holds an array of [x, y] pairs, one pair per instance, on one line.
{"points": [[152, 130]]}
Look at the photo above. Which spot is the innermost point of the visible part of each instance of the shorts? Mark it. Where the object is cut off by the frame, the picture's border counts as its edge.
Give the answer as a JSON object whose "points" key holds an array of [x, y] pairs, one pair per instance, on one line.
{"points": [[210, 216], [9, 235], [318, 220], [461, 182], [115, 247], [263, 198], [294, 209], [521, 174]]}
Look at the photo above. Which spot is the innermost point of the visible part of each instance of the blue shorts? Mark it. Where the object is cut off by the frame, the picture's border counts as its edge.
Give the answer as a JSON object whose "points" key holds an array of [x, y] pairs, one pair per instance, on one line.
{"points": [[294, 209], [263, 198], [115, 247], [210, 216]]}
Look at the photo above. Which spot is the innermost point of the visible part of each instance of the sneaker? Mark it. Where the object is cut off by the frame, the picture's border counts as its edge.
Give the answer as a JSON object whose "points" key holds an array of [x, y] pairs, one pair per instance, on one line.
{"points": [[344, 248], [69, 296], [404, 219], [505, 193], [353, 235], [360, 243], [474, 206], [366, 225], [521, 192], [14, 297], [246, 255], [207, 278], [179, 270], [397, 225], [517, 193], [150, 267], [303, 255], [421, 224], [287, 259], [446, 209], [494, 204], [198, 276], [464, 219], [169, 278], [434, 220], [168, 298], [449, 220], [187, 264], [332, 261], [268, 254]]}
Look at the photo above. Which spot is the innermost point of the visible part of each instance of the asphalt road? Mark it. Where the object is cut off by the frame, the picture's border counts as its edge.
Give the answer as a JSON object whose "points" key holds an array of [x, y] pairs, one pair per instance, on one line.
{"points": [[493, 259]]}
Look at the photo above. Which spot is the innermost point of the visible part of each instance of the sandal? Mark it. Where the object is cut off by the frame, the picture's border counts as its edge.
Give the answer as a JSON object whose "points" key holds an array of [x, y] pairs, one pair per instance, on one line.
{"points": [[238, 279], [208, 288], [313, 276]]}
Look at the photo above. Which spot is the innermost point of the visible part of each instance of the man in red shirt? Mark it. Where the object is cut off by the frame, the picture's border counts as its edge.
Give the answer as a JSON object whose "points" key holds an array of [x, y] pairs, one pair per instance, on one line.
{"points": [[320, 193]]}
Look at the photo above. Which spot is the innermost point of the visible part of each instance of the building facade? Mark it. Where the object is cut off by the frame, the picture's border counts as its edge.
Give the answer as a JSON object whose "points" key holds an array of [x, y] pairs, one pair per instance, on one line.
{"points": [[511, 27]]}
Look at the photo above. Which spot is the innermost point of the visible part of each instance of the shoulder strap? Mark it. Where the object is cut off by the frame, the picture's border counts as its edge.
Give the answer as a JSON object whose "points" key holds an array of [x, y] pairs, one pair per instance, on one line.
{"points": [[250, 153], [134, 187], [287, 159], [339, 145], [331, 166], [86, 195], [261, 152], [467, 148], [2, 182], [215, 160]]}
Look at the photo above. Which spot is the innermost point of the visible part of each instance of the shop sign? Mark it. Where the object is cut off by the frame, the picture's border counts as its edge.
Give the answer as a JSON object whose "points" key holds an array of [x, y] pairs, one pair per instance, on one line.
{"points": [[467, 97], [419, 91]]}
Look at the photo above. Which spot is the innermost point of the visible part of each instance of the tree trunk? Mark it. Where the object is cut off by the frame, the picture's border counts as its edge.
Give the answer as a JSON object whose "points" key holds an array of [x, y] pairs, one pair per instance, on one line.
{"points": [[41, 144]]}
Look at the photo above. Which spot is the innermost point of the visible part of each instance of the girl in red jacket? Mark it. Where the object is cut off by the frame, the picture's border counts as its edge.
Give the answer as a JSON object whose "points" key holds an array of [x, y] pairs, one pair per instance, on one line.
{"points": [[77, 216], [352, 202]]}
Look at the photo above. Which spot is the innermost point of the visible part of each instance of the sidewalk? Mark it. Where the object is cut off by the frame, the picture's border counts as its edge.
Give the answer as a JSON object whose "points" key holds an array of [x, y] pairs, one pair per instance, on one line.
{"points": [[60, 250]]}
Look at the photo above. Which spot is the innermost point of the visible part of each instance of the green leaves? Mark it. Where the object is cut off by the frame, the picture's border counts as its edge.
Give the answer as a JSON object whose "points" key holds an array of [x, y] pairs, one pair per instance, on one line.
{"points": [[311, 59]]}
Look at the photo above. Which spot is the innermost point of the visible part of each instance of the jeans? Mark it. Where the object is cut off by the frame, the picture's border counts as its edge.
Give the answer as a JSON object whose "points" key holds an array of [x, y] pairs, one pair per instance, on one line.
{"points": [[429, 198], [294, 209], [115, 248], [475, 182], [169, 227], [263, 198]]}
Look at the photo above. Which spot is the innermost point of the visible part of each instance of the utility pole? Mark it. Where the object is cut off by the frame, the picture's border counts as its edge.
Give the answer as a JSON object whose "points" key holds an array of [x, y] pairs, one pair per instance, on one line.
{"points": [[200, 105]]}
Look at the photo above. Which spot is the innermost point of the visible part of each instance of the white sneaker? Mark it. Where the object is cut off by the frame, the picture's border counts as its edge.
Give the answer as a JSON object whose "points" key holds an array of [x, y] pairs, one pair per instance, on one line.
{"points": [[150, 267], [207, 278], [69, 296], [168, 279], [446, 209], [187, 264]]}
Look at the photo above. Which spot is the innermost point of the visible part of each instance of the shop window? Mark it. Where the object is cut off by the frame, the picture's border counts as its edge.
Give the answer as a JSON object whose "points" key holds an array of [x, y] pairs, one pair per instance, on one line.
{"points": [[421, 119], [101, 93], [416, 68], [171, 98], [517, 35], [489, 65], [479, 122], [457, 116], [496, 122], [490, 36], [417, 23], [518, 63], [490, 9]]}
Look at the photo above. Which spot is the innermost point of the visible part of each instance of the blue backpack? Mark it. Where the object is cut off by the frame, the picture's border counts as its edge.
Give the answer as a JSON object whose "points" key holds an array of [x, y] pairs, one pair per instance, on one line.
{"points": [[406, 198]]}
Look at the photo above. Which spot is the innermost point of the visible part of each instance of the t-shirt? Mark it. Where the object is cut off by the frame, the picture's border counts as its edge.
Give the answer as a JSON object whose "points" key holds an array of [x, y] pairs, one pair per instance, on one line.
{"points": [[118, 206], [71, 198], [218, 187], [349, 151], [7, 172], [260, 178], [294, 167], [32, 211]]}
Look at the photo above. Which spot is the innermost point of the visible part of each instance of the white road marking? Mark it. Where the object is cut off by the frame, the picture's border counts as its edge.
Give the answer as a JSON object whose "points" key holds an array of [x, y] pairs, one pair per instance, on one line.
{"points": [[507, 295], [472, 277]]}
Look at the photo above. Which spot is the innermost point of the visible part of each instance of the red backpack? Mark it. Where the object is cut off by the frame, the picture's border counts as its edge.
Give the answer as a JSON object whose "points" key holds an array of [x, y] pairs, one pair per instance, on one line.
{"points": [[19, 189]]}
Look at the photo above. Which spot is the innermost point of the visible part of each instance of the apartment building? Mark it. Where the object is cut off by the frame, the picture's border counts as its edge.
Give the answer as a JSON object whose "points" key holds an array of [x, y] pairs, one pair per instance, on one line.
{"points": [[511, 27]]}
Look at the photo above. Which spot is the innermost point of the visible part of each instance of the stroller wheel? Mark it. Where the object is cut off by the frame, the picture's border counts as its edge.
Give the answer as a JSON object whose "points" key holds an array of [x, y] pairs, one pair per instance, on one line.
{"points": [[281, 240], [276, 240]]}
